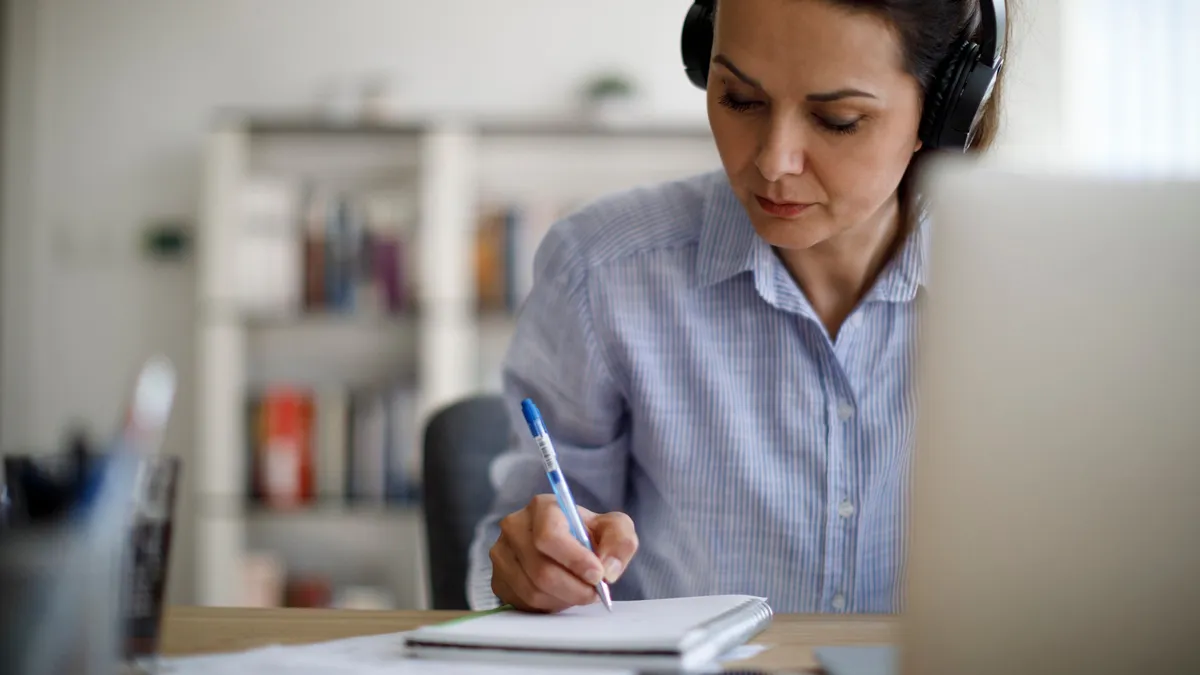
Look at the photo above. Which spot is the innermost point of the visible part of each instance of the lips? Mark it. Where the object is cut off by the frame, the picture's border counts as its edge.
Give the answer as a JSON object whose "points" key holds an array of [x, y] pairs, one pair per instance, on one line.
{"points": [[781, 209]]}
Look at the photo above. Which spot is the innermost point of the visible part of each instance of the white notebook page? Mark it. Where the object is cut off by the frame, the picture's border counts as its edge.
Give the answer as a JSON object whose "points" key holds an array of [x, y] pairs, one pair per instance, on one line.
{"points": [[638, 624]]}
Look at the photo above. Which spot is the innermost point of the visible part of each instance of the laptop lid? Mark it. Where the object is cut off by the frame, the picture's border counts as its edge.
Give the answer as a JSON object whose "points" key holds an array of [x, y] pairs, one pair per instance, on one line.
{"points": [[1056, 499]]}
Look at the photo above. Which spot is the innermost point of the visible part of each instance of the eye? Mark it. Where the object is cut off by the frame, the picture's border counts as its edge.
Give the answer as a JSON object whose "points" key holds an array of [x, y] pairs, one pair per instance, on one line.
{"points": [[839, 126], [737, 104]]}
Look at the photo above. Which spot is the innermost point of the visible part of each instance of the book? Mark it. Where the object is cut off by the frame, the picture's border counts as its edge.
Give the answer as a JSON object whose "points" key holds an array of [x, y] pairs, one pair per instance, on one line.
{"points": [[384, 451], [674, 633], [356, 252], [284, 447], [367, 473], [507, 237], [402, 450], [267, 251], [333, 436], [335, 443]]}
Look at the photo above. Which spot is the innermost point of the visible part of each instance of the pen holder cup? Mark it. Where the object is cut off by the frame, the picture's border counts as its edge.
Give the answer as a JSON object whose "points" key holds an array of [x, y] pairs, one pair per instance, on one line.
{"points": [[33, 563], [85, 594]]}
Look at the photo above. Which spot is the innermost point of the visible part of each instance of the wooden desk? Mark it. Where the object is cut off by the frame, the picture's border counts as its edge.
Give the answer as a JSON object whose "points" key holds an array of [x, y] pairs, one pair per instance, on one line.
{"points": [[196, 630]]}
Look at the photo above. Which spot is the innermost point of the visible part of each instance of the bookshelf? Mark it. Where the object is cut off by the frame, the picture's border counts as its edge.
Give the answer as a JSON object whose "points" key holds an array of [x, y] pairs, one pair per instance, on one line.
{"points": [[353, 279]]}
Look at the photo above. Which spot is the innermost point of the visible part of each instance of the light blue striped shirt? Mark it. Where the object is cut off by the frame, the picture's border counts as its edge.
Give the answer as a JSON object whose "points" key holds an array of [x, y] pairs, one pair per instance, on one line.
{"points": [[687, 382]]}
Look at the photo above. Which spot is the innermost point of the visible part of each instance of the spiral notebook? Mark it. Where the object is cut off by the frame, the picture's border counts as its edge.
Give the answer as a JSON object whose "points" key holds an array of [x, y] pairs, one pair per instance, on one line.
{"points": [[676, 633]]}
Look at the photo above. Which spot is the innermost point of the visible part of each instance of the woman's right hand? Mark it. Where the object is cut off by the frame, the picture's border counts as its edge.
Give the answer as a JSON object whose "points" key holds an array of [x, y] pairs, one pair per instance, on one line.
{"points": [[538, 566]]}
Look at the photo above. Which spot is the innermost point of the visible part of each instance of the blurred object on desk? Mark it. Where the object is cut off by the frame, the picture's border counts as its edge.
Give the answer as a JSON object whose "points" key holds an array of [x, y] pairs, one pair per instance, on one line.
{"points": [[263, 579], [153, 530], [308, 590], [83, 564], [364, 598], [61, 580]]}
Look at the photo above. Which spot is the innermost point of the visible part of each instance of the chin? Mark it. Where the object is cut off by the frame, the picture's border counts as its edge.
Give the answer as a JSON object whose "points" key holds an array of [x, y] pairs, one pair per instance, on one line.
{"points": [[793, 233]]}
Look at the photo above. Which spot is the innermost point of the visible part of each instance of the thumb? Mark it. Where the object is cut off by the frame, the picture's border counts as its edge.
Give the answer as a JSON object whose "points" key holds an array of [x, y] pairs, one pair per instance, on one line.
{"points": [[615, 541]]}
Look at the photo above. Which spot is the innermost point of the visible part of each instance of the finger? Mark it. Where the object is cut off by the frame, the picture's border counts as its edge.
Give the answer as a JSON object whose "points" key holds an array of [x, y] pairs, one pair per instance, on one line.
{"points": [[552, 537], [512, 584], [551, 578], [616, 543], [537, 572], [503, 590]]}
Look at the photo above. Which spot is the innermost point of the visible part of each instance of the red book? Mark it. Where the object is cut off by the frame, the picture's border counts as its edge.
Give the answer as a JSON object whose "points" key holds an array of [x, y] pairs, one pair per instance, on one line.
{"points": [[285, 447]]}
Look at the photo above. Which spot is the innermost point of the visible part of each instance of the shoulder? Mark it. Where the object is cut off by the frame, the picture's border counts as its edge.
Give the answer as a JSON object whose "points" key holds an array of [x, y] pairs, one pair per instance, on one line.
{"points": [[663, 216]]}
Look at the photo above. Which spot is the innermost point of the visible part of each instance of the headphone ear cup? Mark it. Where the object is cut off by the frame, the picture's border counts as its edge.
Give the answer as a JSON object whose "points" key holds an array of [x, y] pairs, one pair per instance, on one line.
{"points": [[944, 94], [696, 42]]}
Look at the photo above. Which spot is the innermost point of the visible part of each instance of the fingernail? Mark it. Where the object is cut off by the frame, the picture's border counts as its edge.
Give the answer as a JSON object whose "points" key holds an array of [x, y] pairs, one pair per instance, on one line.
{"points": [[612, 569], [593, 576]]}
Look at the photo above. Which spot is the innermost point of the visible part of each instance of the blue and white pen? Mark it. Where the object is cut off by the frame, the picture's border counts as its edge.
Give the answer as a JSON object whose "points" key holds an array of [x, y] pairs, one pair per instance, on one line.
{"points": [[559, 484]]}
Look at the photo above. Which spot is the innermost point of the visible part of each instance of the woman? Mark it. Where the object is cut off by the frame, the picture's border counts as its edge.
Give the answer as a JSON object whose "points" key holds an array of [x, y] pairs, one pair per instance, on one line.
{"points": [[725, 361]]}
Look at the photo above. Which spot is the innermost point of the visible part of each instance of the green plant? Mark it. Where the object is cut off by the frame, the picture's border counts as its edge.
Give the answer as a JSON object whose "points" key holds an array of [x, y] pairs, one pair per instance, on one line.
{"points": [[609, 86]]}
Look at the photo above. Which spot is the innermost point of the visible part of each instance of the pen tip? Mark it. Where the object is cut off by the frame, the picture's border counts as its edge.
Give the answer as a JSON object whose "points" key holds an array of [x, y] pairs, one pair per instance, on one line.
{"points": [[605, 596]]}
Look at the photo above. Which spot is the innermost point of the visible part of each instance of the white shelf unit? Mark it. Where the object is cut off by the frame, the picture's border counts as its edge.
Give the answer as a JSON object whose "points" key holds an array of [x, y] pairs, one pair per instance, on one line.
{"points": [[450, 347]]}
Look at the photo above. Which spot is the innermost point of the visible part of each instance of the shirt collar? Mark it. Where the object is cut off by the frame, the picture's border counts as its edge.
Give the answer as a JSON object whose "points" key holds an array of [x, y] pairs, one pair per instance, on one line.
{"points": [[728, 243], [729, 246], [908, 270]]}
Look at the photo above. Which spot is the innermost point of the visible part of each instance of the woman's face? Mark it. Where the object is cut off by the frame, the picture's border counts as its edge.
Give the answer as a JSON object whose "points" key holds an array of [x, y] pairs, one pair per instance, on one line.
{"points": [[813, 113]]}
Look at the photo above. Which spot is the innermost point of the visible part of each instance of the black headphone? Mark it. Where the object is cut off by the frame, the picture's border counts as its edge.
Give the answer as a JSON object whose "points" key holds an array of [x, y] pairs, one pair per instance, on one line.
{"points": [[955, 100]]}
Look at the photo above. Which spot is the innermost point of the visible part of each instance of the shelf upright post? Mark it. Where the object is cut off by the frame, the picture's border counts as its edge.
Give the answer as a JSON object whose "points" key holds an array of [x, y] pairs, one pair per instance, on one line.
{"points": [[217, 474]]}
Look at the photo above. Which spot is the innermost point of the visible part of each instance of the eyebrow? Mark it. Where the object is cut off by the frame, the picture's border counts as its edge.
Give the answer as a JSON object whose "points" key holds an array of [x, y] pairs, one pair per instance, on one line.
{"points": [[828, 96], [724, 60], [819, 97]]}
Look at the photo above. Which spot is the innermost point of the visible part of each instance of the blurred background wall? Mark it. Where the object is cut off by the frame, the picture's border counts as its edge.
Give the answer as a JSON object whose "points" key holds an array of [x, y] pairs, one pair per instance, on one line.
{"points": [[114, 99], [107, 104]]}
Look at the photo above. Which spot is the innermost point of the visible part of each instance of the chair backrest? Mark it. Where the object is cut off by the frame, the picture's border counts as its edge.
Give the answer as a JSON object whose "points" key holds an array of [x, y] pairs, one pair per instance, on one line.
{"points": [[460, 442]]}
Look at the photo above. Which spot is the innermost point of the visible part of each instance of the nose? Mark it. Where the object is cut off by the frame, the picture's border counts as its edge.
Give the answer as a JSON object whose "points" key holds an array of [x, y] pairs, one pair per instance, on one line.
{"points": [[781, 148]]}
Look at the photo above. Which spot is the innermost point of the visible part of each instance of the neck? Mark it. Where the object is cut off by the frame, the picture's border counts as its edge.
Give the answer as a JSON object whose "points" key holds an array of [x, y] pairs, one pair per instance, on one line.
{"points": [[839, 271]]}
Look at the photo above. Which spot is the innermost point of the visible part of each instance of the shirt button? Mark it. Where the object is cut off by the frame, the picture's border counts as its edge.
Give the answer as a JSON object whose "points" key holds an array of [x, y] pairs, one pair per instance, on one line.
{"points": [[845, 509], [839, 602], [845, 411]]}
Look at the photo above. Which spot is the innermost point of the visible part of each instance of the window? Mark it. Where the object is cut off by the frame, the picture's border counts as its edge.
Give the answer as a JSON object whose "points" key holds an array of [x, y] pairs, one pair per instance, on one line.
{"points": [[1133, 85]]}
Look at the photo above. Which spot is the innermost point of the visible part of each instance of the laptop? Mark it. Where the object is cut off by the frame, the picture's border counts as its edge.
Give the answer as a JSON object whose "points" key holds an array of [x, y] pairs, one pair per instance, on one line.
{"points": [[1056, 496]]}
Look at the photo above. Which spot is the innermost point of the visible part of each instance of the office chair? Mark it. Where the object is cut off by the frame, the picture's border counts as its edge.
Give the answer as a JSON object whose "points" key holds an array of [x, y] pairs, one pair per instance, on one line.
{"points": [[460, 442]]}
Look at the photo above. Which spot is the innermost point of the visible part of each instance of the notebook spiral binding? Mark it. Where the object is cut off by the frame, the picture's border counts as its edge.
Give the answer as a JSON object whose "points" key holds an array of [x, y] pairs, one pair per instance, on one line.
{"points": [[730, 628]]}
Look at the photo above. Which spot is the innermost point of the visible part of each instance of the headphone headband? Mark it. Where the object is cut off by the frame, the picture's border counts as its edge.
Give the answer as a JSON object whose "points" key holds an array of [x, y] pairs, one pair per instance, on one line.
{"points": [[995, 20]]}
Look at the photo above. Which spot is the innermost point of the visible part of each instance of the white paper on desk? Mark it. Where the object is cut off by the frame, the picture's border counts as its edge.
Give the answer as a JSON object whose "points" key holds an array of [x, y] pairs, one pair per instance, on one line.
{"points": [[743, 652], [367, 655]]}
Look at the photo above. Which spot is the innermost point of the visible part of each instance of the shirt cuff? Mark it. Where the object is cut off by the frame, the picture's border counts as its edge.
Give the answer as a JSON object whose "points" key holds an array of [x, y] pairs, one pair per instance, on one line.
{"points": [[479, 577]]}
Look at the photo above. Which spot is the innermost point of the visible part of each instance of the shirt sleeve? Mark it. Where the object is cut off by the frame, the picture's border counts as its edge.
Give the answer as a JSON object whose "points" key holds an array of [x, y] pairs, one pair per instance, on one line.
{"points": [[555, 359]]}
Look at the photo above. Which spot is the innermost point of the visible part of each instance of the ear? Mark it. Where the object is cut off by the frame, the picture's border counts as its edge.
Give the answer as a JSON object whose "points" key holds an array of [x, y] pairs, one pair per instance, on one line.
{"points": [[918, 146]]}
